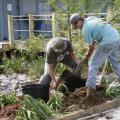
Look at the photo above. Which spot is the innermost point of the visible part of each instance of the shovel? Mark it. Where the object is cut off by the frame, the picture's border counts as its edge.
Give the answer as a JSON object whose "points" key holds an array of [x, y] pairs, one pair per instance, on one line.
{"points": [[77, 71], [73, 80], [75, 76]]}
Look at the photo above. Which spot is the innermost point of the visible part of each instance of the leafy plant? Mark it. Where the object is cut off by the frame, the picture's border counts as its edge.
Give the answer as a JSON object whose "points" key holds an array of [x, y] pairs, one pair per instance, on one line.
{"points": [[60, 68], [55, 101], [32, 109], [13, 64], [113, 90], [36, 44], [36, 67], [7, 99]]}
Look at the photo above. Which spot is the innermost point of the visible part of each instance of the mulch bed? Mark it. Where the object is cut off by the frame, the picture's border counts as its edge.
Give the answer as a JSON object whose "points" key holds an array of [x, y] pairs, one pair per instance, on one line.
{"points": [[74, 101], [77, 100], [9, 111]]}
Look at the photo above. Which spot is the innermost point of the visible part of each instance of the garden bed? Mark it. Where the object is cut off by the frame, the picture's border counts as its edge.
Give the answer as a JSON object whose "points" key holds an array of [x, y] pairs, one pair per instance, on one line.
{"points": [[77, 100], [76, 106], [9, 112]]}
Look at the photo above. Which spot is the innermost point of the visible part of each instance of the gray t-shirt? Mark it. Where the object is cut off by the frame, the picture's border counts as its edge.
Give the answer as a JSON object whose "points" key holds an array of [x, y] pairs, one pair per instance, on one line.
{"points": [[53, 57]]}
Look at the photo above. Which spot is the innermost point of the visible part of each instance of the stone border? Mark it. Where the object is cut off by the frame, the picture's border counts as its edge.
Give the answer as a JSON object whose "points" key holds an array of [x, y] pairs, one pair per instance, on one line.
{"points": [[93, 110]]}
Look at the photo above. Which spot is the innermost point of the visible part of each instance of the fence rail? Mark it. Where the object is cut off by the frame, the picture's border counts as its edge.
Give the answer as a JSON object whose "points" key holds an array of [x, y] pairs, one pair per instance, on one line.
{"points": [[30, 21]]}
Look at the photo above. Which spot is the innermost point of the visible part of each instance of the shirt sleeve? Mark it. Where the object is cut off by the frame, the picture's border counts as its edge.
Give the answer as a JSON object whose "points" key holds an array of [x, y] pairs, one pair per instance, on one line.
{"points": [[87, 36]]}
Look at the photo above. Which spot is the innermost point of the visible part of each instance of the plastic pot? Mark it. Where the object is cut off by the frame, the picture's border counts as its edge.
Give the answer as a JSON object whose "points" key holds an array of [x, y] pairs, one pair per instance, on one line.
{"points": [[37, 91]]}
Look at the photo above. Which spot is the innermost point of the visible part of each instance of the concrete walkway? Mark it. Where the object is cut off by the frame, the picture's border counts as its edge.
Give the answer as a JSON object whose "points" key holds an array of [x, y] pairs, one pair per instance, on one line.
{"points": [[113, 114]]}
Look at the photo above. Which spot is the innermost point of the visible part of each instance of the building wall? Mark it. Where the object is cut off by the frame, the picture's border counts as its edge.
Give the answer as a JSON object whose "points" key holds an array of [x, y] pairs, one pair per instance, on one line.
{"points": [[7, 7], [29, 7], [22, 7], [39, 7], [1, 37]]}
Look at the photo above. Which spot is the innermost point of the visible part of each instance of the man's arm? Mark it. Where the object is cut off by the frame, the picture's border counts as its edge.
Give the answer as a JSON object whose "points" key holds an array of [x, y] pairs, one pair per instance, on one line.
{"points": [[51, 71], [89, 51]]}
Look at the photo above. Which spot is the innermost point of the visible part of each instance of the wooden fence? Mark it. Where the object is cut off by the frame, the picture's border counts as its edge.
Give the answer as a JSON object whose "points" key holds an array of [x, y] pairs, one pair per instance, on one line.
{"points": [[31, 18]]}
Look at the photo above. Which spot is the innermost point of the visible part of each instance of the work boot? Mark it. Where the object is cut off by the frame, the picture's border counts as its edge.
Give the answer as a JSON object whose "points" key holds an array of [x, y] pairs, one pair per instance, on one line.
{"points": [[91, 93]]}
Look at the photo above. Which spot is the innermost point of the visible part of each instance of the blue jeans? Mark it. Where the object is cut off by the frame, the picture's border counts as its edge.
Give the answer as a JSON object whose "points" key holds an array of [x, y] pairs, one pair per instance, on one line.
{"points": [[101, 53]]}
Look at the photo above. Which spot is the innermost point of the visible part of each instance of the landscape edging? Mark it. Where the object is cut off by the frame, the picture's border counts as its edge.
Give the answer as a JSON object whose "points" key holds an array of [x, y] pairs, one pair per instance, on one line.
{"points": [[93, 110]]}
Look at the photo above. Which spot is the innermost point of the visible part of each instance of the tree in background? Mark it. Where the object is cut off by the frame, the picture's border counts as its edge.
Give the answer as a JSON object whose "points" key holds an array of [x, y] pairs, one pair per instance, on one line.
{"points": [[65, 7], [71, 6], [114, 14]]}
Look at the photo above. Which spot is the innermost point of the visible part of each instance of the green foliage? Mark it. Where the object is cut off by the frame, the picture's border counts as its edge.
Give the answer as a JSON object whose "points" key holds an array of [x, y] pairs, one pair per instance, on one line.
{"points": [[36, 44], [60, 68], [55, 101], [61, 25], [113, 14], [117, 3], [7, 99], [79, 45], [23, 63], [68, 6], [113, 90], [14, 64], [96, 5], [62, 86], [36, 68], [32, 109], [108, 68]]}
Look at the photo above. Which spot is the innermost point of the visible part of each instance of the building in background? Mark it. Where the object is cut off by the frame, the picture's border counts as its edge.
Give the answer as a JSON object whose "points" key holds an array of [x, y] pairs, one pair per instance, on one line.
{"points": [[37, 7], [22, 7]]}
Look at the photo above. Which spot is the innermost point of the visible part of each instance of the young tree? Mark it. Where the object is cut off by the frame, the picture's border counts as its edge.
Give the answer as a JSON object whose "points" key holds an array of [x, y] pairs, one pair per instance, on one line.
{"points": [[68, 7]]}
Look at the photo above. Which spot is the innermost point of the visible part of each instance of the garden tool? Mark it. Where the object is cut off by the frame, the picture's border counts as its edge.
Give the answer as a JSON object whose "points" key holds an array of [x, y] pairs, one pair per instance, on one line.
{"points": [[77, 71], [73, 80]]}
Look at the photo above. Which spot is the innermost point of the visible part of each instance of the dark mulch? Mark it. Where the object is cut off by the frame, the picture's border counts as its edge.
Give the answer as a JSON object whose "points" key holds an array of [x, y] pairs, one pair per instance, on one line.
{"points": [[77, 100], [9, 111]]}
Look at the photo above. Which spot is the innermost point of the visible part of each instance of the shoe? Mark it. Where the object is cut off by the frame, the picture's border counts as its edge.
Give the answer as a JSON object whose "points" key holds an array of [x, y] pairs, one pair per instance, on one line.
{"points": [[100, 87], [91, 93]]}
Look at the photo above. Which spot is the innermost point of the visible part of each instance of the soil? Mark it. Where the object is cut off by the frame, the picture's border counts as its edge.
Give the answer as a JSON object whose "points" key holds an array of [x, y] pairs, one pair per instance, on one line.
{"points": [[9, 111], [73, 101], [77, 100]]}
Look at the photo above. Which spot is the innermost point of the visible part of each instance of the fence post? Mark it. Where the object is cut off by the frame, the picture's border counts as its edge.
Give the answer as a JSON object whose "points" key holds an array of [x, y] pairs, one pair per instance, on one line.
{"points": [[10, 30], [31, 26], [53, 24]]}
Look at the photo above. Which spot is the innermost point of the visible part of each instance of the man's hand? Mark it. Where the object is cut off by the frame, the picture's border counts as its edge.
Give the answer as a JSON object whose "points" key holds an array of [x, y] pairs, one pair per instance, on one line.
{"points": [[53, 84], [89, 51]]}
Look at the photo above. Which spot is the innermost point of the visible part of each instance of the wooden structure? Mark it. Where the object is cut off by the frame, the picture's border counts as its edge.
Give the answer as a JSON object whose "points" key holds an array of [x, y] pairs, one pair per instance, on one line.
{"points": [[51, 18]]}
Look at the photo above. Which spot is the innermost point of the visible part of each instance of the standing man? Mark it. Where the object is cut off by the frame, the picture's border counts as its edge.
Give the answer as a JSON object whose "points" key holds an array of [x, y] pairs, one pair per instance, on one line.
{"points": [[96, 31], [58, 50]]}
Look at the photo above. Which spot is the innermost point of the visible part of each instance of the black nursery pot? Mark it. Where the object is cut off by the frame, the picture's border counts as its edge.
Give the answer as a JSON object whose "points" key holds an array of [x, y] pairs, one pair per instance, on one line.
{"points": [[37, 91], [72, 82]]}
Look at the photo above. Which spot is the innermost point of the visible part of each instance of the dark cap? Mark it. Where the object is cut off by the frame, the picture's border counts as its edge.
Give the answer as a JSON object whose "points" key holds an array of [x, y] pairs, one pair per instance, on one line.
{"points": [[74, 18], [59, 44]]}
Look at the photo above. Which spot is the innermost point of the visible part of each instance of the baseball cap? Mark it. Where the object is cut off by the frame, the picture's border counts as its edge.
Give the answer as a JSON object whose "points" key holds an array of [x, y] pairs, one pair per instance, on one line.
{"points": [[74, 18], [59, 44]]}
